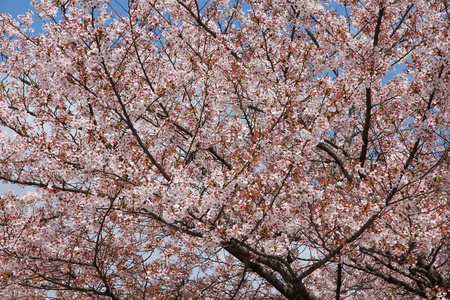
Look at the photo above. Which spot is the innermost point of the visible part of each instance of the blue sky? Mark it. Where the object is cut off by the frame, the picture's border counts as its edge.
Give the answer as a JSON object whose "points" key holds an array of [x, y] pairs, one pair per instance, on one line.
{"points": [[14, 7]]}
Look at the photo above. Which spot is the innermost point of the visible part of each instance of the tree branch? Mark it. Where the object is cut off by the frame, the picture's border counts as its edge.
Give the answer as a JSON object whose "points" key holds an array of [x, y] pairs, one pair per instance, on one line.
{"points": [[378, 27], [337, 159], [339, 282], [131, 126], [365, 133], [297, 291]]}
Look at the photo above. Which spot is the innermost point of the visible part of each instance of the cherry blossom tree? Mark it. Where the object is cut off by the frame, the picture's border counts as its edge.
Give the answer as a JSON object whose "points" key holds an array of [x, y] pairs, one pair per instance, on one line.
{"points": [[183, 149]]}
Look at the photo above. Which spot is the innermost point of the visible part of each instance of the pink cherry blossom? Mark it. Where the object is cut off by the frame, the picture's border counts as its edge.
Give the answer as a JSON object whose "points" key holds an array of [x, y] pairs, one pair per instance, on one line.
{"points": [[182, 149]]}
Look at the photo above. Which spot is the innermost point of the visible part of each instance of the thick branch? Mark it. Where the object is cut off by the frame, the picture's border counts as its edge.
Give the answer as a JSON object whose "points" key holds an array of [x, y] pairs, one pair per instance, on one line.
{"points": [[365, 133], [337, 159], [378, 27], [339, 282], [313, 38], [430, 272], [219, 157], [298, 292]]}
